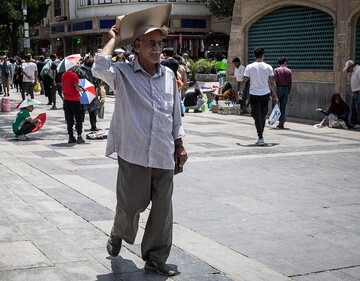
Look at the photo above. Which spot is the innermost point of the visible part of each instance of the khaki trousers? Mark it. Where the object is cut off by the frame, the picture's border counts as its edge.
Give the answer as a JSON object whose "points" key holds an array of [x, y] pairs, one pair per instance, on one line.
{"points": [[137, 186]]}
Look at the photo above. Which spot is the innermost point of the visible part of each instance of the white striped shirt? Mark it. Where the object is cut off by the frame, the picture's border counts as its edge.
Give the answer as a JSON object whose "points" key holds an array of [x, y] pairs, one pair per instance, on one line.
{"points": [[147, 116], [355, 79]]}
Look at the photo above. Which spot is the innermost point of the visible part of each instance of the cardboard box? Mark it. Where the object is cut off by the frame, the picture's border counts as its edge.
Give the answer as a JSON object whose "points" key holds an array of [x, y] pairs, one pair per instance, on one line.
{"points": [[230, 109], [215, 108]]}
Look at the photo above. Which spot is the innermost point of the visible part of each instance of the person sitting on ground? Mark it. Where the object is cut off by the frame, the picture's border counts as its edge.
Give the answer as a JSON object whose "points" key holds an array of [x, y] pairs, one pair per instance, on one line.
{"points": [[338, 111], [193, 99], [23, 123], [226, 93]]}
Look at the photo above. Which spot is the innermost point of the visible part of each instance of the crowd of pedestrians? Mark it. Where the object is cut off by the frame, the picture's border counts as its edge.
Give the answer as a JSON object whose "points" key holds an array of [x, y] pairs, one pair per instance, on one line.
{"points": [[27, 73]]}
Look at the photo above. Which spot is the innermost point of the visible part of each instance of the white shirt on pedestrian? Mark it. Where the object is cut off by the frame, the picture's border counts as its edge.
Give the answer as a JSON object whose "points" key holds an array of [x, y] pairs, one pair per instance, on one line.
{"points": [[355, 79], [239, 73], [259, 73], [29, 69]]}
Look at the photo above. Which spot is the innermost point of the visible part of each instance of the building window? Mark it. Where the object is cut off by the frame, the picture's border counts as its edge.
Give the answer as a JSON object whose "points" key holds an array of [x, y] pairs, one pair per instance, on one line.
{"points": [[82, 3], [105, 1], [304, 35], [106, 24], [57, 8], [84, 25], [193, 23], [147, 1]]}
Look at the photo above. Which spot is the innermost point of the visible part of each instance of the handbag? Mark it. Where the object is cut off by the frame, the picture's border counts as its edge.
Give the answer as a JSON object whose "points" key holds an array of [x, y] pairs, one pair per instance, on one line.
{"points": [[275, 115], [37, 87]]}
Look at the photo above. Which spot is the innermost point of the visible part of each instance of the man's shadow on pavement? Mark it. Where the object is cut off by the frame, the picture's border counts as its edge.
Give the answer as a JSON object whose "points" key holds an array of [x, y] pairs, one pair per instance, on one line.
{"points": [[269, 144], [126, 270]]}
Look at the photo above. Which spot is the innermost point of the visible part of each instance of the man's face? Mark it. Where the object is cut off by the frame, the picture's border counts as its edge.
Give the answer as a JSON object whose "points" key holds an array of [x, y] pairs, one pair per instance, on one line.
{"points": [[236, 64], [351, 68], [150, 47]]}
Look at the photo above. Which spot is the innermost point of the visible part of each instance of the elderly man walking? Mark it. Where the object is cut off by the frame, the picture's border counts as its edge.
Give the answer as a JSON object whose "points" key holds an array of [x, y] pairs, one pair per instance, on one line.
{"points": [[146, 133]]}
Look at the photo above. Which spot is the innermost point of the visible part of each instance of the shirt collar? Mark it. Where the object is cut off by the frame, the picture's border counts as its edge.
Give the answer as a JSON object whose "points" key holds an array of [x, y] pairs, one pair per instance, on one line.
{"points": [[137, 67]]}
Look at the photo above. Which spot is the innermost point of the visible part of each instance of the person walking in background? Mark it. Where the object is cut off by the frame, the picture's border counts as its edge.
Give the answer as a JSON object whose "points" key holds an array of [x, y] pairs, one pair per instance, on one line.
{"points": [[262, 83], [18, 75], [12, 71], [283, 79], [29, 77], [48, 74], [58, 81], [40, 64], [239, 75], [84, 72], [5, 75], [146, 133], [169, 60], [354, 69], [72, 107]]}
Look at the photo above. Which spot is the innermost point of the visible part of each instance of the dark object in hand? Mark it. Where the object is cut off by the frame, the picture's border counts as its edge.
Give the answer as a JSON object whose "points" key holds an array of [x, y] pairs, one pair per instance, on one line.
{"points": [[178, 169]]}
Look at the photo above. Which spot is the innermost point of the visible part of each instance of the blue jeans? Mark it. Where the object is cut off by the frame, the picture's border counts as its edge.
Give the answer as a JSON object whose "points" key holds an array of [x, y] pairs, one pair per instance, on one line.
{"points": [[282, 94]]}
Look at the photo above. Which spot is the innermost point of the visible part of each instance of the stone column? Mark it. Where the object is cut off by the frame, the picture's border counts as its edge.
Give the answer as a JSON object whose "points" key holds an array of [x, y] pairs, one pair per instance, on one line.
{"points": [[341, 44], [236, 42]]}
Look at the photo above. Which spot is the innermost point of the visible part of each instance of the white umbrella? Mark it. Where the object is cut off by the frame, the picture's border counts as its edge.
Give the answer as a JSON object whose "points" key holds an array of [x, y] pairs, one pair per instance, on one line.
{"points": [[27, 102], [68, 62], [119, 50]]}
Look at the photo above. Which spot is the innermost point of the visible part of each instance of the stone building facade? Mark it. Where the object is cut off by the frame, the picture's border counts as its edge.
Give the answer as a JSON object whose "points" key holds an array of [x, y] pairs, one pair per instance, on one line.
{"points": [[314, 81]]}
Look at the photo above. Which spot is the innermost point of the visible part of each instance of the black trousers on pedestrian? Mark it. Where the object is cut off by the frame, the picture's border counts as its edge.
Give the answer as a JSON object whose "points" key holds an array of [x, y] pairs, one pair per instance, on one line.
{"points": [[92, 117], [259, 109], [73, 111], [49, 88], [27, 87]]}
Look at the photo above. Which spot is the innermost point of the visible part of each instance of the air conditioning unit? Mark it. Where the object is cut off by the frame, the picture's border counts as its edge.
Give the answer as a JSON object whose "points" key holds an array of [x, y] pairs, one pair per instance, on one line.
{"points": [[60, 18]]}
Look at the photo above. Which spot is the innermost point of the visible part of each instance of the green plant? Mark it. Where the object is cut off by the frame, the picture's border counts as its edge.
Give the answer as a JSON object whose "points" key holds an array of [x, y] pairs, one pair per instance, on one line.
{"points": [[200, 66]]}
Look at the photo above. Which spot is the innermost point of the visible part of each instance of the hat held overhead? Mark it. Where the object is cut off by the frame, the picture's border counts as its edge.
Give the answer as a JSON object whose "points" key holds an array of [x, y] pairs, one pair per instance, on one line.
{"points": [[135, 24]]}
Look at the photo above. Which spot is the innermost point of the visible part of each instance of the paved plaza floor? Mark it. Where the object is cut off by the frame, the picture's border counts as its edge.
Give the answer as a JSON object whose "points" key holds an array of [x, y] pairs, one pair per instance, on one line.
{"points": [[286, 211]]}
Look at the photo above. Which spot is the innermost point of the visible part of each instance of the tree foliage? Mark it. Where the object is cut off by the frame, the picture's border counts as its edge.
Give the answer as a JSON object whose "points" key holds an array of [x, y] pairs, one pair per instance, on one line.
{"points": [[221, 8], [12, 18]]}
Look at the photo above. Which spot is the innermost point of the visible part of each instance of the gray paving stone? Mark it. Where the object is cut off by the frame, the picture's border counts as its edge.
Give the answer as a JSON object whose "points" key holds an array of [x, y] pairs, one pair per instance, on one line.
{"points": [[86, 238], [328, 276], [59, 248], [21, 254], [21, 213], [35, 274], [90, 210], [66, 219], [353, 271], [38, 229], [190, 268], [86, 271], [48, 153], [107, 173]]}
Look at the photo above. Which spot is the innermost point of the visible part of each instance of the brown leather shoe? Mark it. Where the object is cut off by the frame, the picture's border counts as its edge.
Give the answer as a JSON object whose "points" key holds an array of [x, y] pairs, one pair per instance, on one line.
{"points": [[159, 267]]}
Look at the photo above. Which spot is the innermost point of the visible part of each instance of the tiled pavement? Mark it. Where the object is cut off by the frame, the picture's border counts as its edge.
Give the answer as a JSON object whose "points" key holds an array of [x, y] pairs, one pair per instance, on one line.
{"points": [[288, 211]]}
